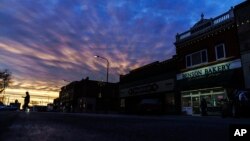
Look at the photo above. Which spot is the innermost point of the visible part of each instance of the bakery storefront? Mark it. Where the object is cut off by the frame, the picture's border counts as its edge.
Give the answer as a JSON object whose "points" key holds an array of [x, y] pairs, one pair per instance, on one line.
{"points": [[213, 83]]}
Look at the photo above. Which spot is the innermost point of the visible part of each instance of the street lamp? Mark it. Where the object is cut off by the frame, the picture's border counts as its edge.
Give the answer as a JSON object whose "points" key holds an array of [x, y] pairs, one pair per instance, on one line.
{"points": [[107, 65]]}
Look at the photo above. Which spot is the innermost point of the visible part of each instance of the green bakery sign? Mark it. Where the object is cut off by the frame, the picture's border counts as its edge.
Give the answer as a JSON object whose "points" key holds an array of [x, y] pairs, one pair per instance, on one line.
{"points": [[213, 69]]}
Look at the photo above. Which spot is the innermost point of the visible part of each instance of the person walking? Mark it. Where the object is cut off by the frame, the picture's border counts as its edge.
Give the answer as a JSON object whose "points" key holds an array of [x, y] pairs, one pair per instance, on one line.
{"points": [[26, 101], [203, 106]]}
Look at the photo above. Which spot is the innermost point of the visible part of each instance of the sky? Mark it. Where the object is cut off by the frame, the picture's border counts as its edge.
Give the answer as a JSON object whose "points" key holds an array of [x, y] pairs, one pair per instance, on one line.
{"points": [[44, 42]]}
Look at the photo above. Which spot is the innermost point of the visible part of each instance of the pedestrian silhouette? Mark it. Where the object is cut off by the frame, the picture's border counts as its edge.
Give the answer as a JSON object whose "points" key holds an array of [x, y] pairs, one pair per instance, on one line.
{"points": [[203, 107], [26, 101]]}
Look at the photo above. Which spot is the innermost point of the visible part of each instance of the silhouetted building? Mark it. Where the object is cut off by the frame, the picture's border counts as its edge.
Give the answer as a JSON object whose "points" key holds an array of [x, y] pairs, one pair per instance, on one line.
{"points": [[242, 16], [89, 96], [67, 97], [209, 63], [56, 105], [150, 89]]}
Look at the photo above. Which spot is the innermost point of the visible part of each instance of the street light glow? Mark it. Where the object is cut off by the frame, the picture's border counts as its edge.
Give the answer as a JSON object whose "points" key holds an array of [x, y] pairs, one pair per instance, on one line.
{"points": [[97, 56]]}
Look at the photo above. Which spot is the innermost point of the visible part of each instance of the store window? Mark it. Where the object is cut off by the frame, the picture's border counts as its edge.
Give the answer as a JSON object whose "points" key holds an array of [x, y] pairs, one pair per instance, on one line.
{"points": [[186, 101], [122, 104], [196, 58], [220, 51]]}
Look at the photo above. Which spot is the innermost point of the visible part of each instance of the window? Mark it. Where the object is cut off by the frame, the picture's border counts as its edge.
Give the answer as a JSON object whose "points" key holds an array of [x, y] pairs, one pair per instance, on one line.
{"points": [[220, 51], [188, 61], [196, 58]]}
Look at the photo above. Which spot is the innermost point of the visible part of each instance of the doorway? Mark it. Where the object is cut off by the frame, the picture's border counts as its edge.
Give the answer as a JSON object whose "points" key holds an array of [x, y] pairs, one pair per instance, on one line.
{"points": [[196, 104]]}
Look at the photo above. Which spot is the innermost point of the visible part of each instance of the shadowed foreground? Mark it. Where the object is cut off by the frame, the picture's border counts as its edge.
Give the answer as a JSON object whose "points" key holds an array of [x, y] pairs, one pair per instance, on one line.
{"points": [[35, 126]]}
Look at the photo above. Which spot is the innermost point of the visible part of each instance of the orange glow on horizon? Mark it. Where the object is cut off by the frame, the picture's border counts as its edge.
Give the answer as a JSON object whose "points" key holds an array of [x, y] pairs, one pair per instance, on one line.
{"points": [[38, 97]]}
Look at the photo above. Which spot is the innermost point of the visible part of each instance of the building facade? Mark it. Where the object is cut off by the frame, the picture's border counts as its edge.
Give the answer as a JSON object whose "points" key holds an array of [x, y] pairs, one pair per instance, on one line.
{"points": [[150, 89], [89, 96], [56, 105], [242, 16], [67, 97], [209, 63]]}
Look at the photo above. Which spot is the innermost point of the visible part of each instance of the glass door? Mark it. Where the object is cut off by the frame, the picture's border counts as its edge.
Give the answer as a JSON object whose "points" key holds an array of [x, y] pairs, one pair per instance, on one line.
{"points": [[196, 104]]}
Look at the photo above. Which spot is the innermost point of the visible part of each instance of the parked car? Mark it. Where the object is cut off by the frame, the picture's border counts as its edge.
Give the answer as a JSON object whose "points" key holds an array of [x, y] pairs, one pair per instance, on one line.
{"points": [[7, 108], [2, 107]]}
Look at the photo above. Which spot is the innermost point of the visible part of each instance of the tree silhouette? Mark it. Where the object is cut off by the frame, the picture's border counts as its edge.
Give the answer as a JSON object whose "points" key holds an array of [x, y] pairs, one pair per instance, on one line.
{"points": [[5, 77]]}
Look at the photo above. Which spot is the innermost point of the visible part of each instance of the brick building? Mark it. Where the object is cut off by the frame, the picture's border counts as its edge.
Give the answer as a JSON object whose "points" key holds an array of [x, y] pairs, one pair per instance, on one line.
{"points": [[209, 63], [89, 96], [150, 89], [242, 16]]}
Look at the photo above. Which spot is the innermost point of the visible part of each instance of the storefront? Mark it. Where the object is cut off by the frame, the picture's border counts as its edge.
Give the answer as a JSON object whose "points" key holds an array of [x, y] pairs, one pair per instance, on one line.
{"points": [[153, 97], [214, 83], [213, 96]]}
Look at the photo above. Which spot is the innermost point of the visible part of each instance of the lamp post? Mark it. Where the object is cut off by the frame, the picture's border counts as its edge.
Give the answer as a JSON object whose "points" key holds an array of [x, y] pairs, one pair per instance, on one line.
{"points": [[107, 65]]}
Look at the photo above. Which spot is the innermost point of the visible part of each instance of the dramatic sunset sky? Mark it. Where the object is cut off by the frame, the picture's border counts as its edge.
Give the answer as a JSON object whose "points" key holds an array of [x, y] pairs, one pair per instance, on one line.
{"points": [[43, 42]]}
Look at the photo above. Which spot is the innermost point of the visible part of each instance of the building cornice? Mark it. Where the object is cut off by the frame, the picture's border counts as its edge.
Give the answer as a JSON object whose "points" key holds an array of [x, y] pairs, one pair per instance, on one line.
{"points": [[208, 34]]}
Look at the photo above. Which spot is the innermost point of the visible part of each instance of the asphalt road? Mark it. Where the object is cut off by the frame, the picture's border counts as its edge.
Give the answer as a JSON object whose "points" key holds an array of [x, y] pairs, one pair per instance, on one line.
{"points": [[33, 126]]}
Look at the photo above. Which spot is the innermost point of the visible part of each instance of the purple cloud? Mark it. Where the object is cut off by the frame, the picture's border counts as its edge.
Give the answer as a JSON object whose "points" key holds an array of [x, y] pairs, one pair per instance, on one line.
{"points": [[50, 40]]}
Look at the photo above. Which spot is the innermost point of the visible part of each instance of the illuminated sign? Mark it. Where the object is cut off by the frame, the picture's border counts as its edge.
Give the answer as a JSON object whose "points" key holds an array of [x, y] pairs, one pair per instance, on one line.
{"points": [[214, 69]]}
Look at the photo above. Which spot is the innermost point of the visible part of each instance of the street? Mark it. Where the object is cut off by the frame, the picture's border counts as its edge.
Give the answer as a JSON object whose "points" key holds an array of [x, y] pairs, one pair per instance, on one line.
{"points": [[21, 126]]}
